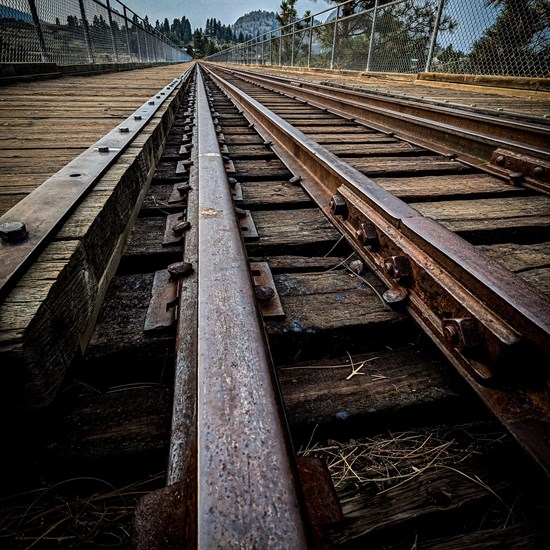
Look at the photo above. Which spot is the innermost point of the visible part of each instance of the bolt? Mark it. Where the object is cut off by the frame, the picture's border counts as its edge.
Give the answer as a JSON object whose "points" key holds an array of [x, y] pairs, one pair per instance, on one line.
{"points": [[180, 227], [186, 162], [295, 180], [124, 129], [500, 160], [103, 149], [515, 178], [338, 206], [397, 267], [232, 182], [151, 102], [240, 212], [263, 293], [461, 333], [138, 117], [538, 171], [13, 232], [182, 189], [267, 143], [394, 297], [179, 269], [367, 236]]}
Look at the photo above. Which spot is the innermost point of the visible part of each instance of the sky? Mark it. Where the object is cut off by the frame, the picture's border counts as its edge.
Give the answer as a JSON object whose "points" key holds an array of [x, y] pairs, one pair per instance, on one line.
{"points": [[198, 11]]}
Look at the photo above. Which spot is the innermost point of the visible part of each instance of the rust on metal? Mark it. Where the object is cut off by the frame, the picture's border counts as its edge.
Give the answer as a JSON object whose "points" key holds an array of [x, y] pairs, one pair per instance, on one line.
{"points": [[474, 135], [247, 495], [262, 277], [161, 313], [448, 279], [171, 237], [518, 166], [248, 227]]}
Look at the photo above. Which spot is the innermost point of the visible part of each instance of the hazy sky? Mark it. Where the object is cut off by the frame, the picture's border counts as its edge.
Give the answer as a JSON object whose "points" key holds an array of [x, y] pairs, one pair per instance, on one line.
{"points": [[198, 11]]}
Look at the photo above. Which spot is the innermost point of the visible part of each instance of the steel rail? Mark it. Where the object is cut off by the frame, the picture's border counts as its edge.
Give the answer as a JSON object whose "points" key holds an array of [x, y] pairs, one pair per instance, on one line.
{"points": [[483, 317], [510, 149], [34, 219], [247, 495]]}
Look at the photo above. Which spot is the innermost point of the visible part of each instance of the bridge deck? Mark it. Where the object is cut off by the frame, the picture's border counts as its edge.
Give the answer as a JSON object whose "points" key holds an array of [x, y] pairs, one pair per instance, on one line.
{"points": [[46, 124]]}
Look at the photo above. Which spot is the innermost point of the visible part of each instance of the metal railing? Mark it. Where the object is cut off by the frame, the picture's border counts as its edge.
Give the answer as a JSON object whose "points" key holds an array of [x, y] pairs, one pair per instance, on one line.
{"points": [[70, 32], [408, 36]]}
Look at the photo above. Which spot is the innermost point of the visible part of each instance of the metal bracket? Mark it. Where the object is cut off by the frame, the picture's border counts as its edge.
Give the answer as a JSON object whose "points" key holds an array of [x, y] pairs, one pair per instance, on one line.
{"points": [[262, 277], [519, 167], [161, 313], [229, 167], [171, 238], [248, 227], [237, 193]]}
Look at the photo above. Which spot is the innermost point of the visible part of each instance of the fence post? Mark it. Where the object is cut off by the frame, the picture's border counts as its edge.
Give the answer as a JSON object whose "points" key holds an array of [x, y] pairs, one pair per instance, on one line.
{"points": [[334, 38], [89, 51], [371, 44], [280, 48], [293, 39], [434, 35], [113, 37], [127, 33], [263, 47], [310, 41], [138, 39], [36, 22]]}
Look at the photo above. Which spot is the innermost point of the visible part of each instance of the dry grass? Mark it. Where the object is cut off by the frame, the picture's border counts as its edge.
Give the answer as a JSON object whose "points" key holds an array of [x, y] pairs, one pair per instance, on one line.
{"points": [[387, 461], [77, 512]]}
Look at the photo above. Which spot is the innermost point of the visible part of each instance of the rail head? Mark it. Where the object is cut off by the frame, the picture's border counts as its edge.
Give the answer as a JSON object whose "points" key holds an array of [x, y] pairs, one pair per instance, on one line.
{"points": [[247, 495]]}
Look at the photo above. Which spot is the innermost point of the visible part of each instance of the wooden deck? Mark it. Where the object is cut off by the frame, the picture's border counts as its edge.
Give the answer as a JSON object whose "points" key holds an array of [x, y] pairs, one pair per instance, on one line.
{"points": [[49, 314], [46, 124]]}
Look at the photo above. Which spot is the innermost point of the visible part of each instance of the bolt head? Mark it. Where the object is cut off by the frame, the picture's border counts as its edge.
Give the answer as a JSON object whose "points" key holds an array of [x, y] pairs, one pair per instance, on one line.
{"points": [[138, 117], [13, 232], [103, 149], [500, 160], [124, 130], [338, 206], [538, 171]]}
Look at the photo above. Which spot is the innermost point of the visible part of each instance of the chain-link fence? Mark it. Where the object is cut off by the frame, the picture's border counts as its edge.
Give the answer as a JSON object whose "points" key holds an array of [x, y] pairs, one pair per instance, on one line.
{"points": [[80, 31], [497, 37]]}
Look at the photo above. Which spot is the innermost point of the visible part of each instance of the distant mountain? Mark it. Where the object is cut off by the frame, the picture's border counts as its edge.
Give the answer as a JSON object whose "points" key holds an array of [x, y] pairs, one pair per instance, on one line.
{"points": [[255, 23]]}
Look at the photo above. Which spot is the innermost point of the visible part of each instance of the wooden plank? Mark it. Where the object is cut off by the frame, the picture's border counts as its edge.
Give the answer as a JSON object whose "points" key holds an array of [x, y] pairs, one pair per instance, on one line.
{"points": [[457, 487], [443, 187], [334, 311], [273, 194], [44, 321], [489, 214], [303, 231], [397, 381], [530, 261], [248, 170], [119, 340], [381, 166], [116, 425]]}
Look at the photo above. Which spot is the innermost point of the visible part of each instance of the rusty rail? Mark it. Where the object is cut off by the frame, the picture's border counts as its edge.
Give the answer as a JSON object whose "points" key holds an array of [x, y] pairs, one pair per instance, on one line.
{"points": [[245, 480], [514, 150], [483, 317]]}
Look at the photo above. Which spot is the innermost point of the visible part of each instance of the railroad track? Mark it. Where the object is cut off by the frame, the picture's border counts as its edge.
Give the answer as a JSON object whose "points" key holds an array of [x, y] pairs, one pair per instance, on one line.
{"points": [[180, 361]]}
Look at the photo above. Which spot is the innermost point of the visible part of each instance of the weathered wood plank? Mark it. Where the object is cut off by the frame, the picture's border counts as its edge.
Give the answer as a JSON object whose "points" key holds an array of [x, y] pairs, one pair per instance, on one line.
{"points": [[43, 321], [273, 194], [396, 381], [489, 214], [302, 231], [442, 187], [329, 312]]}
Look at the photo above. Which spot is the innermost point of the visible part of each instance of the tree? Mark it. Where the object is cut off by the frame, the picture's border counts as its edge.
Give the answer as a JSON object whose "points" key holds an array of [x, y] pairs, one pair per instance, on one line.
{"points": [[401, 38], [518, 43]]}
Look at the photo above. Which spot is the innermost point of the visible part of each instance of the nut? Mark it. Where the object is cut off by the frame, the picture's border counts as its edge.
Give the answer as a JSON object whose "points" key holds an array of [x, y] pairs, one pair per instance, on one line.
{"points": [[367, 235], [338, 206], [13, 232], [397, 267], [462, 333]]}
